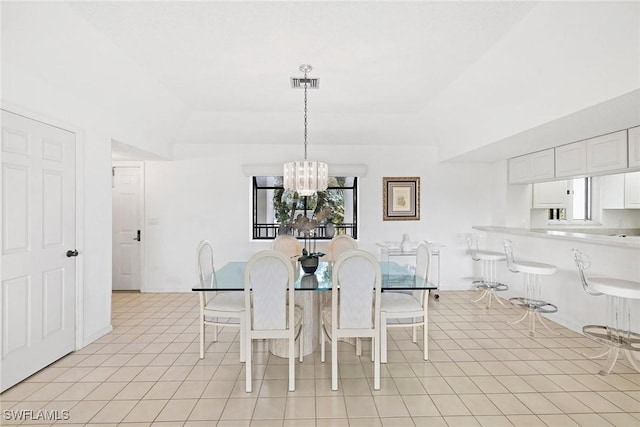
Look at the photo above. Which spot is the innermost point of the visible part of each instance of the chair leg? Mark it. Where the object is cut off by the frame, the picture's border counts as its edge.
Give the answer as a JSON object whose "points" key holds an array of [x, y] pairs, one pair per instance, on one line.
{"points": [[334, 363], [247, 366], [425, 333], [322, 338], [358, 346], [292, 360], [376, 363], [242, 339], [301, 344], [383, 336], [202, 339], [414, 332], [215, 330]]}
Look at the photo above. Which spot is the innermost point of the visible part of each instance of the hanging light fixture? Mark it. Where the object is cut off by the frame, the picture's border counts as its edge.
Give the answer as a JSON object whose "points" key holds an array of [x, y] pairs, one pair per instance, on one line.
{"points": [[306, 177]]}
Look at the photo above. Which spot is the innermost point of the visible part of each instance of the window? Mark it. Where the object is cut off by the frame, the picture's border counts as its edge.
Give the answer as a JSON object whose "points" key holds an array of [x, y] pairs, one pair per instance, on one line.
{"points": [[274, 209], [578, 202]]}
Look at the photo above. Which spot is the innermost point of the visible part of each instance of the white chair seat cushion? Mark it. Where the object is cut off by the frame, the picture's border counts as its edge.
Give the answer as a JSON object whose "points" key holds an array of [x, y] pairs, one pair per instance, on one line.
{"points": [[397, 302], [226, 301], [617, 287], [534, 267], [489, 256]]}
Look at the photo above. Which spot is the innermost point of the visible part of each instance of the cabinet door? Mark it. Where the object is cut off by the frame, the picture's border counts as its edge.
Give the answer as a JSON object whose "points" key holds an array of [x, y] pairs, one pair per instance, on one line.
{"points": [[611, 191], [571, 159], [632, 190], [607, 152], [520, 170], [550, 194], [634, 147], [542, 165]]}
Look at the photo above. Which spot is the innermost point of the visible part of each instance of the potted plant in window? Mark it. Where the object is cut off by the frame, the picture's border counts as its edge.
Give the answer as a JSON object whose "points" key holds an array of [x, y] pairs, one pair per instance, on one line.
{"points": [[309, 258]]}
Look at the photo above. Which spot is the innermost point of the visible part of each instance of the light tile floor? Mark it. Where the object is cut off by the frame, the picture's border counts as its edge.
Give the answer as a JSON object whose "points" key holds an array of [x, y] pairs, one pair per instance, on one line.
{"points": [[482, 372]]}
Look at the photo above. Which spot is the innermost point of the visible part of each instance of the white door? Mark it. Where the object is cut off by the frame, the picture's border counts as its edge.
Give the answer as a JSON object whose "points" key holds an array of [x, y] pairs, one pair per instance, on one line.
{"points": [[38, 228], [127, 226]]}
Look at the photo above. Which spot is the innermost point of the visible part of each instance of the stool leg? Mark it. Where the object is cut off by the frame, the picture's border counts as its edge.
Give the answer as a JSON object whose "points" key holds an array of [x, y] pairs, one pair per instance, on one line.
{"points": [[611, 360], [599, 355], [544, 324], [481, 296], [526, 313]]}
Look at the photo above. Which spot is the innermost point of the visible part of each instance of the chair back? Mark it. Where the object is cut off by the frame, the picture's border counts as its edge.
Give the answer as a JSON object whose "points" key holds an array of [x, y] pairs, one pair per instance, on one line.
{"points": [[508, 251], [340, 244], [423, 268], [268, 285], [206, 271], [583, 262], [473, 242], [356, 284], [288, 245]]}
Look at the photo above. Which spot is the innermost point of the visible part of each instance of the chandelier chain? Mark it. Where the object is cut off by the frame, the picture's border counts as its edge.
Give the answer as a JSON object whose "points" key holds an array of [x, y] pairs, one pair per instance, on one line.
{"points": [[305, 115]]}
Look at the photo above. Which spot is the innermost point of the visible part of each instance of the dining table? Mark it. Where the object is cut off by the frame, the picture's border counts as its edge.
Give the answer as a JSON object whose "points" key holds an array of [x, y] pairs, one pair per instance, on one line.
{"points": [[311, 293]]}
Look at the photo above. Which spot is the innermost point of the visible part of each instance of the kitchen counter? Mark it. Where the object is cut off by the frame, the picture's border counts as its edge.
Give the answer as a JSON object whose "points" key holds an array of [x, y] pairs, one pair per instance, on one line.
{"points": [[610, 237]]}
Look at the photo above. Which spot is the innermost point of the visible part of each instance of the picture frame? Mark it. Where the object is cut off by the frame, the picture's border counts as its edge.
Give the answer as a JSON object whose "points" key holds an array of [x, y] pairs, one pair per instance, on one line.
{"points": [[401, 198]]}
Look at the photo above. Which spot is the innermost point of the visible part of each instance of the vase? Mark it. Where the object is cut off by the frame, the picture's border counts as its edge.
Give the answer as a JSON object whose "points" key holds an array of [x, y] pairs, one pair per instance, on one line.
{"points": [[309, 265], [330, 230], [405, 245]]}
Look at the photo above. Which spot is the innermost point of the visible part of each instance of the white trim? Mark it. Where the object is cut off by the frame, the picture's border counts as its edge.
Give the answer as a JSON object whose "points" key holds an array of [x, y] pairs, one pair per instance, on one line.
{"points": [[276, 169], [79, 139]]}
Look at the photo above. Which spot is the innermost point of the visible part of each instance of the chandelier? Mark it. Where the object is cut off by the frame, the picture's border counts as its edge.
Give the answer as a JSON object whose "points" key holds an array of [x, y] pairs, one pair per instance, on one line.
{"points": [[305, 177]]}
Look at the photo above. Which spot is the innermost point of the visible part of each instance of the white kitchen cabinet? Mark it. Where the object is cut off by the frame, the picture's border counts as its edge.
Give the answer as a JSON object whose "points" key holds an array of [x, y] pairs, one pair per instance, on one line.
{"points": [[532, 167], [607, 153], [611, 191], [571, 159], [632, 190], [551, 194], [634, 147], [621, 191]]}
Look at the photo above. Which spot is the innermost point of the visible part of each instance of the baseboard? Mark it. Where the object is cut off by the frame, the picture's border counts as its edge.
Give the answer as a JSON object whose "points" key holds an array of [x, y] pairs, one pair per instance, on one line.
{"points": [[93, 337]]}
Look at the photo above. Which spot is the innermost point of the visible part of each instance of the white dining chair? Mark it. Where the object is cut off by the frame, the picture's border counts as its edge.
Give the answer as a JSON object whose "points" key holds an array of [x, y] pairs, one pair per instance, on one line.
{"points": [[216, 307], [340, 244], [288, 245], [355, 308], [408, 305], [269, 298]]}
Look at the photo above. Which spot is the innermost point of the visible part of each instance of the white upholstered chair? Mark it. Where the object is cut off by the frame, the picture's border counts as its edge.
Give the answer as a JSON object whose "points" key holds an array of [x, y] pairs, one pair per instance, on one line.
{"points": [[215, 305], [340, 244], [355, 308], [288, 245], [269, 298], [408, 305]]}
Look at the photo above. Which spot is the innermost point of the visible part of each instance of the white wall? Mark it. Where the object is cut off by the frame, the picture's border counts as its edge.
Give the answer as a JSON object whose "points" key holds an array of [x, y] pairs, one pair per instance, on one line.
{"points": [[204, 195], [37, 81]]}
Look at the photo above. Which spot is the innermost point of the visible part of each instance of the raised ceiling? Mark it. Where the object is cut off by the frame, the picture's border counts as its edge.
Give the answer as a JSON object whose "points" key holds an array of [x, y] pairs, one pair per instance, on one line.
{"points": [[469, 77]]}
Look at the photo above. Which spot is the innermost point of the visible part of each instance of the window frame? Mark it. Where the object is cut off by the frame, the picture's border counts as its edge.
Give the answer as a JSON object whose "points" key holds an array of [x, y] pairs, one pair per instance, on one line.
{"points": [[350, 228]]}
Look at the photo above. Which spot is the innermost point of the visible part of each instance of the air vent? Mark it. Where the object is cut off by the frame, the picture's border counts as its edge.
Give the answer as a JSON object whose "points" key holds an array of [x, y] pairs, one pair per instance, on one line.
{"points": [[298, 82]]}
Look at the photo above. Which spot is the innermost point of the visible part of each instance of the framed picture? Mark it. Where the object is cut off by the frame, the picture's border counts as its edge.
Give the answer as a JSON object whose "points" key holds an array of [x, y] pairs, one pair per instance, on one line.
{"points": [[401, 198]]}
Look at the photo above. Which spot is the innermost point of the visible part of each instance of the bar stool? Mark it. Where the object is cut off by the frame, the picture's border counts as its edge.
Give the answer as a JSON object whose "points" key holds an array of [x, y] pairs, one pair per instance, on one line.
{"points": [[617, 335], [531, 302], [489, 283]]}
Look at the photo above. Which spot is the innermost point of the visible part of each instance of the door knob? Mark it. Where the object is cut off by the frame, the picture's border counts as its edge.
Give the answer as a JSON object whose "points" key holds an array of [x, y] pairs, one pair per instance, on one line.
{"points": [[137, 236], [71, 253]]}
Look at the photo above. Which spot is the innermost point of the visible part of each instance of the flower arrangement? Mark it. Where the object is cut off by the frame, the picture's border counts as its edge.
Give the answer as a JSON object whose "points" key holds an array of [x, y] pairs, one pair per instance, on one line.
{"points": [[307, 227]]}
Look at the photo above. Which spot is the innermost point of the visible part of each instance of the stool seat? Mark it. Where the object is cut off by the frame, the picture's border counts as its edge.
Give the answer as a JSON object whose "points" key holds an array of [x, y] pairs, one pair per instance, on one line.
{"points": [[616, 287], [483, 255], [534, 267]]}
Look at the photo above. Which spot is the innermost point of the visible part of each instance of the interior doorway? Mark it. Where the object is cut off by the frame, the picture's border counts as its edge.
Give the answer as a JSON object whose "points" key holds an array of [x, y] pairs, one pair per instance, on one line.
{"points": [[128, 233]]}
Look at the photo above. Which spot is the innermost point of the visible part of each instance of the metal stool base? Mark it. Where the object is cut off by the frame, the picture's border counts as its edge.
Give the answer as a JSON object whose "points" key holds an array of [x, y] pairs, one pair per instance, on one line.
{"points": [[616, 340], [533, 308], [489, 291]]}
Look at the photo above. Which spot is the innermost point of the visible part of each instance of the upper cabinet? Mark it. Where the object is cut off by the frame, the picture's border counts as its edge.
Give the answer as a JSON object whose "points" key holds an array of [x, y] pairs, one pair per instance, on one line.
{"points": [[621, 191], [607, 153], [551, 194], [532, 167], [571, 159], [634, 147]]}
